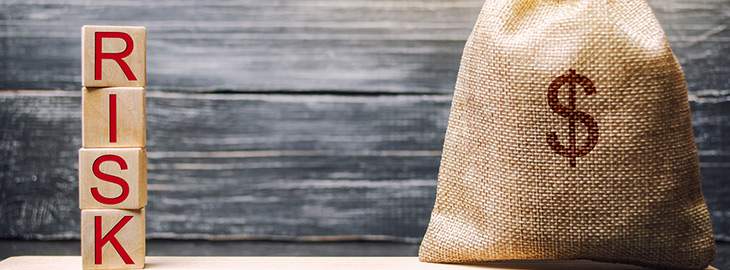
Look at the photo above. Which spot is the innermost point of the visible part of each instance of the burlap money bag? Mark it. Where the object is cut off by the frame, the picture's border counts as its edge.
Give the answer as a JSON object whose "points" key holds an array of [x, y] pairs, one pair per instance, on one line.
{"points": [[569, 138]]}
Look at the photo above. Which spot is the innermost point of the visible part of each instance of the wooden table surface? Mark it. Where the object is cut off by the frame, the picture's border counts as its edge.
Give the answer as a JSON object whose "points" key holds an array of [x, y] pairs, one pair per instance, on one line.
{"points": [[157, 248], [299, 263]]}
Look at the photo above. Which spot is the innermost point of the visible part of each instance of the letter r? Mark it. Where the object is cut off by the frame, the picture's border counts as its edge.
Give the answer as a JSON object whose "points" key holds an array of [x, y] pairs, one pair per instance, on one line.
{"points": [[99, 55]]}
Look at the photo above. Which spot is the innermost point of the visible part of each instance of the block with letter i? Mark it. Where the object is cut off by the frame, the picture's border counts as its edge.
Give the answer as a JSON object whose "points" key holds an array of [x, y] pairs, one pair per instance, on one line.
{"points": [[113, 159], [113, 117]]}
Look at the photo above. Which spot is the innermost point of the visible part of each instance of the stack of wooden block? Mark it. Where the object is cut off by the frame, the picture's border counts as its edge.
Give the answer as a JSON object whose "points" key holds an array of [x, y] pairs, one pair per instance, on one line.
{"points": [[113, 160]]}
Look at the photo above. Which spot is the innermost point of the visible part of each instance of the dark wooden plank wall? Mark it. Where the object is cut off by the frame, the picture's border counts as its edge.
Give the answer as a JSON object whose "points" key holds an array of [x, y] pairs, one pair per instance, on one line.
{"points": [[291, 119], [292, 45]]}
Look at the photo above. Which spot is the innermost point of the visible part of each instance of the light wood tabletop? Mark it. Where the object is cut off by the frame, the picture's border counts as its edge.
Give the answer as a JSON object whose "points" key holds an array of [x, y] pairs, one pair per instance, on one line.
{"points": [[299, 263]]}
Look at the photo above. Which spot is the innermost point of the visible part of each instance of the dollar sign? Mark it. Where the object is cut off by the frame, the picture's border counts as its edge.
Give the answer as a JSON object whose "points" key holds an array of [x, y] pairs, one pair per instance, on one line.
{"points": [[572, 151]]}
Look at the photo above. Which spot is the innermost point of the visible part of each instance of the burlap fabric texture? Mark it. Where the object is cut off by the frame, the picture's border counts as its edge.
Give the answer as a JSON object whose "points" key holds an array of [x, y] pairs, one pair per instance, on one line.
{"points": [[569, 138]]}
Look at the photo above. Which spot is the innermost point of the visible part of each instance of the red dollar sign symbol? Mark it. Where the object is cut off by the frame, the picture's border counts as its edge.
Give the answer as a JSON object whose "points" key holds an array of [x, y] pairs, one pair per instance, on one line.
{"points": [[573, 115]]}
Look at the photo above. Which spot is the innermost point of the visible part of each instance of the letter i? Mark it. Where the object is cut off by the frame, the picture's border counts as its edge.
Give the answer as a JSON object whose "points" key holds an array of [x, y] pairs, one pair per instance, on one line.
{"points": [[112, 117]]}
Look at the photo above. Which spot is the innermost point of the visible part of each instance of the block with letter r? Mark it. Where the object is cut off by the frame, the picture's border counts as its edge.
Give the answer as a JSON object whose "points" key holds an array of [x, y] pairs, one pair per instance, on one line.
{"points": [[113, 56]]}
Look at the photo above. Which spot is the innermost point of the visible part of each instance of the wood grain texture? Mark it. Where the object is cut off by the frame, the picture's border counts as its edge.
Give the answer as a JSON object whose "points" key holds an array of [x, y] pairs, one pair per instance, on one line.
{"points": [[310, 263], [9, 248], [238, 166], [410, 46], [289, 167]]}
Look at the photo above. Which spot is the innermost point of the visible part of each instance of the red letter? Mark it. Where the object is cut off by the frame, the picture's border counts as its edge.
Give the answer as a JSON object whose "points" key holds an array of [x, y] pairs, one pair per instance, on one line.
{"points": [[110, 178], [112, 118], [117, 57], [110, 237]]}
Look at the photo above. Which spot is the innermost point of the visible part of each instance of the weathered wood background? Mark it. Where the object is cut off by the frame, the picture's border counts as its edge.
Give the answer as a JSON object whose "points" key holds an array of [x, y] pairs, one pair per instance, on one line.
{"points": [[289, 119]]}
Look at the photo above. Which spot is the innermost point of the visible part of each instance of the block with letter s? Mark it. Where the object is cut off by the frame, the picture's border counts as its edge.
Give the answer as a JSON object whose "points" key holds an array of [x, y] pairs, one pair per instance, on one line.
{"points": [[112, 178]]}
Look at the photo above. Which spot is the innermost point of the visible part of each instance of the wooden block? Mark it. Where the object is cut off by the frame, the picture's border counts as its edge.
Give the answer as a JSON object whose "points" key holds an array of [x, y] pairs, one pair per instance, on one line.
{"points": [[113, 117], [112, 178], [112, 239], [113, 56]]}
